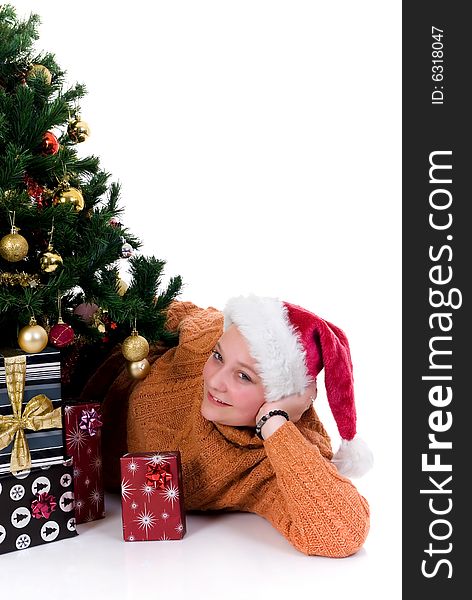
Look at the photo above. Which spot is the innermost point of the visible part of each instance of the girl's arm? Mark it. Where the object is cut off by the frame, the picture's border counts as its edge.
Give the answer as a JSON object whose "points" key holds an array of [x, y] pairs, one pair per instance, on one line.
{"points": [[319, 511]]}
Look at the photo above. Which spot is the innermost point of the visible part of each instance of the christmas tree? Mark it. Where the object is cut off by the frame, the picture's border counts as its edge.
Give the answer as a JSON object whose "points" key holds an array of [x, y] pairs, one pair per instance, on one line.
{"points": [[61, 238]]}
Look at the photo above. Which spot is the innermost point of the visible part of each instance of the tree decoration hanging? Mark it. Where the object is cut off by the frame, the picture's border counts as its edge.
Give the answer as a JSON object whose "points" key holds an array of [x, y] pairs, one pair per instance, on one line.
{"points": [[121, 286], [115, 222], [86, 311], [126, 250], [37, 70], [135, 348], [32, 338], [61, 334], [50, 260], [49, 144], [13, 246], [78, 130], [65, 194], [138, 369]]}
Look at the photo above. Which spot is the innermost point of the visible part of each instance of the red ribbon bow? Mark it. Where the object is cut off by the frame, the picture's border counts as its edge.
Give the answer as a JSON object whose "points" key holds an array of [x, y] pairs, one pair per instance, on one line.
{"points": [[157, 476], [43, 505], [90, 421]]}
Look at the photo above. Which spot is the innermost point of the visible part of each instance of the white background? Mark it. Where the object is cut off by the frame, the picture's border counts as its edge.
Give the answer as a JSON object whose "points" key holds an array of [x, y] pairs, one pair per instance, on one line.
{"points": [[258, 147]]}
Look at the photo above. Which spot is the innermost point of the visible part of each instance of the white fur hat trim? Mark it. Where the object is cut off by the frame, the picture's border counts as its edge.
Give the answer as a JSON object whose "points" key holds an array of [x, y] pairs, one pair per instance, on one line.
{"points": [[273, 343]]}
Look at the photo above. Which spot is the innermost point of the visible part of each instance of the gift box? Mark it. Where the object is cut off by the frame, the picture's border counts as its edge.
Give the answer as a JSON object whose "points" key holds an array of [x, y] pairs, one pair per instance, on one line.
{"points": [[36, 507], [83, 439], [30, 409], [152, 496]]}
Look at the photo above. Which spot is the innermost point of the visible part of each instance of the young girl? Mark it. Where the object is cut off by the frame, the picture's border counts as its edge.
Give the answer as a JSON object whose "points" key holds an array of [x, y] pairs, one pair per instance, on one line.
{"points": [[235, 396]]}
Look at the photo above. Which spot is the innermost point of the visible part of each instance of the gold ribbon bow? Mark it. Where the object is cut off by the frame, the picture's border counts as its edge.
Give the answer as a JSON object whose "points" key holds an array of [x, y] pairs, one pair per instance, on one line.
{"points": [[38, 414]]}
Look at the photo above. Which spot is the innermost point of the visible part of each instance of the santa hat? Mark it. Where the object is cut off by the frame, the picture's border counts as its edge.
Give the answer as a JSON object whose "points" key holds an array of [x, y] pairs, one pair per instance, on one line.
{"points": [[291, 345]]}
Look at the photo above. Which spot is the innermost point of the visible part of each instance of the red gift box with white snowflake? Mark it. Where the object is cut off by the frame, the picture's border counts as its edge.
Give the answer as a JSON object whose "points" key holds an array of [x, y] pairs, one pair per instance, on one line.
{"points": [[82, 431], [152, 496]]}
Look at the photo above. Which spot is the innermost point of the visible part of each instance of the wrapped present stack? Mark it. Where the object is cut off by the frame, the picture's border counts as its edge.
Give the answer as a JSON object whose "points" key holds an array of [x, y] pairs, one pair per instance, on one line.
{"points": [[30, 389], [82, 429], [36, 482], [152, 496], [36, 507]]}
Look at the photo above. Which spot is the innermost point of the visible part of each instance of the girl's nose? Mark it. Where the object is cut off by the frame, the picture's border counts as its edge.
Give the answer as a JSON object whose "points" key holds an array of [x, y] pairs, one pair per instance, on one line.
{"points": [[218, 381]]}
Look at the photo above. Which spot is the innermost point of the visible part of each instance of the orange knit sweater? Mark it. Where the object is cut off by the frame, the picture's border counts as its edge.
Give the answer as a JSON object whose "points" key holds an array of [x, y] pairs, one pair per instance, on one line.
{"points": [[286, 479]]}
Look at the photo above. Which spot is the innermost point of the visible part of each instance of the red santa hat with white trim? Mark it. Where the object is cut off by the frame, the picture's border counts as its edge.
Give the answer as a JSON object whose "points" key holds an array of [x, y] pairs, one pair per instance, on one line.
{"points": [[291, 346]]}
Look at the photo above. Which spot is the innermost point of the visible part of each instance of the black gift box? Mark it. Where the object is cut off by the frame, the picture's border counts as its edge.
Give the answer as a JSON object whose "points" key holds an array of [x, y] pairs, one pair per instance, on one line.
{"points": [[19, 528], [43, 376]]}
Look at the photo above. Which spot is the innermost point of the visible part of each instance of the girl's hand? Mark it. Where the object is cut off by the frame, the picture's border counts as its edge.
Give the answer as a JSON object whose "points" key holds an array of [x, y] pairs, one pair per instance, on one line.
{"points": [[294, 405]]}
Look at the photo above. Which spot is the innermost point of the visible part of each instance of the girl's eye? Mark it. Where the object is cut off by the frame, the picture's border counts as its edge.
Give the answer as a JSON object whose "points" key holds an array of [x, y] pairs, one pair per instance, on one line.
{"points": [[244, 377], [217, 355]]}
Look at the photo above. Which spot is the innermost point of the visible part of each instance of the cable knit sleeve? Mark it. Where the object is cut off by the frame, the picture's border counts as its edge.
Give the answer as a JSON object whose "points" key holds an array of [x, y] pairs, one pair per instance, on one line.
{"points": [[318, 510]]}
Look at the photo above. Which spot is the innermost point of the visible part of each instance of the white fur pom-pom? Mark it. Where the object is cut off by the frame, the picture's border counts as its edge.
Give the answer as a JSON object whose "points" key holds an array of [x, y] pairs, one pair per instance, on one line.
{"points": [[353, 458]]}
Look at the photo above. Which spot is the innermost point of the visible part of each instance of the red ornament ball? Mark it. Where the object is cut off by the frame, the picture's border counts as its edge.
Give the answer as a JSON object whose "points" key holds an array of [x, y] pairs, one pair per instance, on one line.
{"points": [[50, 144], [61, 335]]}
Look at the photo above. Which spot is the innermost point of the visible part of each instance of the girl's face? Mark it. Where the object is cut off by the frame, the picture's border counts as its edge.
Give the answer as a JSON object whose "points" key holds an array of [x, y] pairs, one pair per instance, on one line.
{"points": [[233, 392]]}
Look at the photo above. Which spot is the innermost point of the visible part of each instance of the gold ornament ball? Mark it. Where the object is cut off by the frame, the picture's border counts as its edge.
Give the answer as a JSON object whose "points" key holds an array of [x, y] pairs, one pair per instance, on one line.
{"points": [[32, 338], [49, 262], [138, 369], [122, 287], [13, 247], [135, 347], [78, 131], [71, 196], [41, 71]]}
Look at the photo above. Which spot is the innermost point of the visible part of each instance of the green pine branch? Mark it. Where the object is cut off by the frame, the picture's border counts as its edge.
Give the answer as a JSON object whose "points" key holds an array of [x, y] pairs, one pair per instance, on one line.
{"points": [[88, 241]]}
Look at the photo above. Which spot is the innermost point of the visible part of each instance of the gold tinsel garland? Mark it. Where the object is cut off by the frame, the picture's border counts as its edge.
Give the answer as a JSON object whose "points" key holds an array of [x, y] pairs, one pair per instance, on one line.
{"points": [[23, 279]]}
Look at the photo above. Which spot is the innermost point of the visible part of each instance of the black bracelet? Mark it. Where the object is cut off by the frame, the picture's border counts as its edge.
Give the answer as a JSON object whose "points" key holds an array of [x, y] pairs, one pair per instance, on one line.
{"points": [[266, 417]]}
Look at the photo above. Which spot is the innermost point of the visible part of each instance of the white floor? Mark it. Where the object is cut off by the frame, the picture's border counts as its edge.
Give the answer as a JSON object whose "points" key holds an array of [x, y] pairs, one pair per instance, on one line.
{"points": [[227, 556]]}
